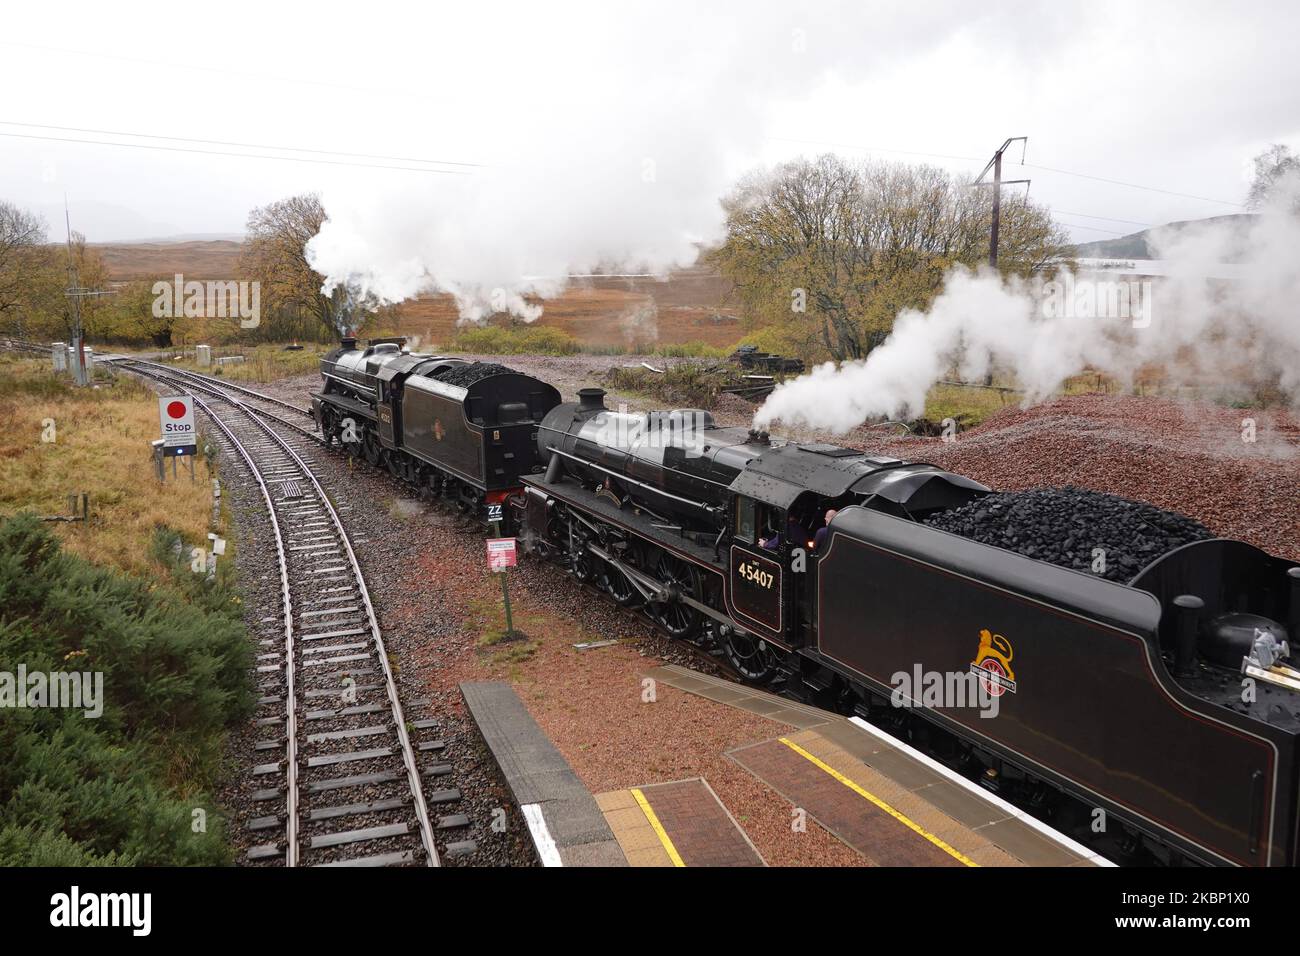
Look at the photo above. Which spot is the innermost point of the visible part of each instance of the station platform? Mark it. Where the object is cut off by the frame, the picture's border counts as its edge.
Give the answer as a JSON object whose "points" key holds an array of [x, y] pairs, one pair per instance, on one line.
{"points": [[890, 804], [566, 824], [893, 805], [682, 823]]}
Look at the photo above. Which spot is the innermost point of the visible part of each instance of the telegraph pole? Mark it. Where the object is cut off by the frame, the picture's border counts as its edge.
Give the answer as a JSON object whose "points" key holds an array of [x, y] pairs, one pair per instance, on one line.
{"points": [[76, 293], [996, 165]]}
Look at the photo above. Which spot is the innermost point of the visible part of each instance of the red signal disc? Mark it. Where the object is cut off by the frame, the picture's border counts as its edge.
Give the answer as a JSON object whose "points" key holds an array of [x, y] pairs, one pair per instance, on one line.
{"points": [[176, 409]]}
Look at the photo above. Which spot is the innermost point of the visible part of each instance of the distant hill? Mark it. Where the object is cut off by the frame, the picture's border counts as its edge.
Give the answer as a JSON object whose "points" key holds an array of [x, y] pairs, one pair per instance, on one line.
{"points": [[195, 259], [687, 305], [1142, 245]]}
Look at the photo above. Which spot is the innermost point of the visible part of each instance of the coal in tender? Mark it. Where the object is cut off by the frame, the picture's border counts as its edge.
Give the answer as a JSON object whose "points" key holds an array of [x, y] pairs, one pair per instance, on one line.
{"points": [[1063, 526], [467, 374]]}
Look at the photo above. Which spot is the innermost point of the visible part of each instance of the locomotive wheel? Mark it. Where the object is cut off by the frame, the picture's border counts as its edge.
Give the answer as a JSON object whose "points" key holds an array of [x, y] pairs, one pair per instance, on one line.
{"points": [[371, 448], [584, 566], [752, 657], [616, 585], [680, 620], [582, 562]]}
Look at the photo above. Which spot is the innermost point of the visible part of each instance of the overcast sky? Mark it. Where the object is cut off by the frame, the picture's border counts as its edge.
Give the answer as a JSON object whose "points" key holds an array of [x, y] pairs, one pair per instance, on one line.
{"points": [[1174, 96]]}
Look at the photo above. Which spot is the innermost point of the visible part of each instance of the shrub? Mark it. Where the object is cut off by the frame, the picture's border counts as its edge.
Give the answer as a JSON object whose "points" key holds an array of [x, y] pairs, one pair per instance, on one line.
{"points": [[120, 789], [685, 385]]}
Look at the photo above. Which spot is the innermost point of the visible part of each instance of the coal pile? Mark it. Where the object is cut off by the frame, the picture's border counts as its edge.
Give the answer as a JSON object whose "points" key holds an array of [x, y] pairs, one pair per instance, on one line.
{"points": [[469, 373], [1062, 526]]}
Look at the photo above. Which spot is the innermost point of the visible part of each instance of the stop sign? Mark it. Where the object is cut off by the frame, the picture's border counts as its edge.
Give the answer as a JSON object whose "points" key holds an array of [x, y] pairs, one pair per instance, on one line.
{"points": [[176, 413]]}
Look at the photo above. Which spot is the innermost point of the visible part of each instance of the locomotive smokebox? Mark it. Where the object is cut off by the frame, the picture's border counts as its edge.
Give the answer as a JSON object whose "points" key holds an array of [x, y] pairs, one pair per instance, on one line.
{"points": [[591, 399]]}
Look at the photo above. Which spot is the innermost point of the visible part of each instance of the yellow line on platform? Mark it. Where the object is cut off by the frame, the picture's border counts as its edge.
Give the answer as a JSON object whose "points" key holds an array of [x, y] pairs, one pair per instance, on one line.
{"points": [[658, 827], [906, 821]]}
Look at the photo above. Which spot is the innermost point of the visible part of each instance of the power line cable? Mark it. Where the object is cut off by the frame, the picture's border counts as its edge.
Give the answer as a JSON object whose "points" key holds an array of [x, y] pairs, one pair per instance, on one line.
{"points": [[980, 159], [1131, 222], [1079, 225], [222, 142], [213, 152], [1120, 182]]}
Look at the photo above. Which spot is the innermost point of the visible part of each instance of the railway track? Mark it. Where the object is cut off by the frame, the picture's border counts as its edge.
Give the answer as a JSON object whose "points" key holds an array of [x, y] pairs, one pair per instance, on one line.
{"points": [[340, 766], [266, 406]]}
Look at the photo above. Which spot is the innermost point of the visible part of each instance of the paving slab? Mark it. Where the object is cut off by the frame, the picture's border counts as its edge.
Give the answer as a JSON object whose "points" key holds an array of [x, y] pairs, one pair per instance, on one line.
{"points": [[564, 820], [680, 823]]}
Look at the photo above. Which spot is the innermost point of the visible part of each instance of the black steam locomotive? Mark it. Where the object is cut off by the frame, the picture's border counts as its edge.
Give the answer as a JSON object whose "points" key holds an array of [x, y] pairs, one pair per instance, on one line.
{"points": [[1161, 705], [463, 430]]}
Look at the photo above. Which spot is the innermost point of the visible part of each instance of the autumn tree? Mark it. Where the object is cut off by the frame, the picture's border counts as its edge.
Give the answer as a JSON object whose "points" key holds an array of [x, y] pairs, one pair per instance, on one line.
{"points": [[827, 252], [23, 257], [275, 255]]}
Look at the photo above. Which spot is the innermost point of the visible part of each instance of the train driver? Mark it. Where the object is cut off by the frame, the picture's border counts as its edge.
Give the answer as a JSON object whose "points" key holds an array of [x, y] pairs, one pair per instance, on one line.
{"points": [[820, 537]]}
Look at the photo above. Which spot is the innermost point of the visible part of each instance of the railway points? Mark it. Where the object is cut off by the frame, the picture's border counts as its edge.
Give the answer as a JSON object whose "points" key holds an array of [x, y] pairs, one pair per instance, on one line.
{"points": [[341, 767]]}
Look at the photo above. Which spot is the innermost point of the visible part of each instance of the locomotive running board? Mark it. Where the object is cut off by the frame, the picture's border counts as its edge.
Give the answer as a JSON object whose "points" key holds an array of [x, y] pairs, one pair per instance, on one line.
{"points": [[655, 592]]}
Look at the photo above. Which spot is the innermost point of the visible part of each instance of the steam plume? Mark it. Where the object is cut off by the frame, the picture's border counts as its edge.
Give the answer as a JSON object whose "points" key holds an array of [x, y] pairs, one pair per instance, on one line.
{"points": [[1202, 323]]}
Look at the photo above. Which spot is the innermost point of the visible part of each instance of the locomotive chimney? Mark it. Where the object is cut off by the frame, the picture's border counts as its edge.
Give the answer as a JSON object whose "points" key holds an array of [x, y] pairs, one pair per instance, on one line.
{"points": [[348, 342], [591, 399], [1187, 623]]}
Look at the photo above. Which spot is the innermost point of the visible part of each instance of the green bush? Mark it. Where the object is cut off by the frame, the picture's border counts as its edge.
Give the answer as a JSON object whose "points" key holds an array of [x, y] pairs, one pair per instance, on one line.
{"points": [[120, 789], [685, 385]]}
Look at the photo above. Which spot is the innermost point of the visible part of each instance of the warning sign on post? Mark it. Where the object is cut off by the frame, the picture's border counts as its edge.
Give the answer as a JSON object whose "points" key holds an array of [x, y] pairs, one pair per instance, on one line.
{"points": [[500, 553], [176, 413]]}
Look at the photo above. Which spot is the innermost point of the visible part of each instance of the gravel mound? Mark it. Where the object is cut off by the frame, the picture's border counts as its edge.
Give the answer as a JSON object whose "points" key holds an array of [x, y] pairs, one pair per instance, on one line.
{"points": [[1062, 526], [467, 375]]}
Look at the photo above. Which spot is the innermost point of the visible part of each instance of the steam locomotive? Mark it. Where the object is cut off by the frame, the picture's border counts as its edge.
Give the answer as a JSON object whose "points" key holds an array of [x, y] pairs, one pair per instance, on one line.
{"points": [[464, 430], [1163, 706]]}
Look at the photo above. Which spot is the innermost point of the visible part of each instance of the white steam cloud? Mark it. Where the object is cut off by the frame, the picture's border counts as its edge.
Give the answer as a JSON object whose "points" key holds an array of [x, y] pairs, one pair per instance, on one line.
{"points": [[605, 140], [1204, 323]]}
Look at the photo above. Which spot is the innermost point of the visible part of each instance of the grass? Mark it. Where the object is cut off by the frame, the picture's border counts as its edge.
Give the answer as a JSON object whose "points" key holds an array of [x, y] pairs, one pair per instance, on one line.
{"points": [[966, 406], [262, 363], [101, 447], [487, 616]]}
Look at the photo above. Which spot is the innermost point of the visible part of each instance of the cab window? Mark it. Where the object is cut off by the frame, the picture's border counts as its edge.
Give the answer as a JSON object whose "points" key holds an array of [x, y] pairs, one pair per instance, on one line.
{"points": [[745, 519]]}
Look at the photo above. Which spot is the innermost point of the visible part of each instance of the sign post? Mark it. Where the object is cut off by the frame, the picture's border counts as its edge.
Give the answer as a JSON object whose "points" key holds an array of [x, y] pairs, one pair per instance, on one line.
{"points": [[501, 555], [179, 437]]}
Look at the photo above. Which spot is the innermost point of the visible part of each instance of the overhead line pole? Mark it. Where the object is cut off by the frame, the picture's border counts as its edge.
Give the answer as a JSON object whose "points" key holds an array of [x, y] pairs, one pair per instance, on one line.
{"points": [[80, 374], [996, 165]]}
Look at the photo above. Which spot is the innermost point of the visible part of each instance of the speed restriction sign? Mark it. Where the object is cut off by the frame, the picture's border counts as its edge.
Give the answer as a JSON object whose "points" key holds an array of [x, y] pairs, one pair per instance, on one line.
{"points": [[176, 413]]}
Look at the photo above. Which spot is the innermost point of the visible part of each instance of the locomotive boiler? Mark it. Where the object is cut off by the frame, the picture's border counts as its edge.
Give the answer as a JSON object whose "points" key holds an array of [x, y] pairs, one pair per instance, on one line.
{"points": [[1163, 703]]}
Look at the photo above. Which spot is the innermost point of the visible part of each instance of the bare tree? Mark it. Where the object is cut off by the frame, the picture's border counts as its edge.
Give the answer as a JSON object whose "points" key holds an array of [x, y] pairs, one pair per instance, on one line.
{"points": [[1276, 167], [840, 249], [22, 248]]}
